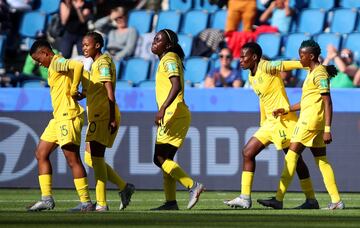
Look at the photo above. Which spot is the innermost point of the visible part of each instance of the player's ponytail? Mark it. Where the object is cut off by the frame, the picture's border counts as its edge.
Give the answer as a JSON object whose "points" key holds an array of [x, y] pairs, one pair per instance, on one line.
{"points": [[174, 45]]}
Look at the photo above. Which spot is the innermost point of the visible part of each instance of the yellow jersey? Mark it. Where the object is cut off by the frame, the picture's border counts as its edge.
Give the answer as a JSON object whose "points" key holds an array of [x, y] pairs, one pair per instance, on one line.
{"points": [[170, 65], [61, 80], [102, 70], [269, 87], [312, 106]]}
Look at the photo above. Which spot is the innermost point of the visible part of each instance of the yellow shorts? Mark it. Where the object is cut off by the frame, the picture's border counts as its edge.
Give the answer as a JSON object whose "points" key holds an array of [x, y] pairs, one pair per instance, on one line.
{"points": [[99, 131], [64, 132], [174, 131], [278, 133], [309, 138]]}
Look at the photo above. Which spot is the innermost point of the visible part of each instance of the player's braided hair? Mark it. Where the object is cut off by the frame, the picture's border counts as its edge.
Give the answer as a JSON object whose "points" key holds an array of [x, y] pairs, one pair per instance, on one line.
{"points": [[254, 47], [97, 38], [313, 47], [39, 44], [174, 45]]}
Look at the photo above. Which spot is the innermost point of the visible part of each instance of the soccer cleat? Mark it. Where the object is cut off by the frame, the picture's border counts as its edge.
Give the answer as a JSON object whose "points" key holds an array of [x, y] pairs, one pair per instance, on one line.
{"points": [[336, 206], [99, 208], [125, 195], [46, 204], [309, 204], [167, 206], [194, 194], [271, 202], [241, 201], [83, 207]]}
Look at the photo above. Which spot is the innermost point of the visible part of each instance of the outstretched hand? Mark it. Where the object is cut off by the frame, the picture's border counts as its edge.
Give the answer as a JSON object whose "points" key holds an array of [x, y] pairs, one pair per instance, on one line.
{"points": [[278, 112]]}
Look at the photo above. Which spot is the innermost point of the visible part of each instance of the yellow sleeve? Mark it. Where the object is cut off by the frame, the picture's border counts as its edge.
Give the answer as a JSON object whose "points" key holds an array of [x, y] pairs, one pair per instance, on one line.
{"points": [[275, 67], [262, 113], [172, 67], [322, 82], [291, 65], [85, 81], [78, 68], [104, 68]]}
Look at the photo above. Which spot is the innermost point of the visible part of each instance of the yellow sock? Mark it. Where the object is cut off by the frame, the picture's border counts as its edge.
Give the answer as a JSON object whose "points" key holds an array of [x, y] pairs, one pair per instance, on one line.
{"points": [[246, 182], [82, 188], [328, 177], [45, 182], [112, 176], [169, 187], [100, 179], [307, 188], [175, 171], [287, 174]]}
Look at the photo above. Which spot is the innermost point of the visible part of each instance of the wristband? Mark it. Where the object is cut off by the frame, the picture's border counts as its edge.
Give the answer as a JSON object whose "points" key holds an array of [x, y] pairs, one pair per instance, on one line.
{"points": [[327, 129]]}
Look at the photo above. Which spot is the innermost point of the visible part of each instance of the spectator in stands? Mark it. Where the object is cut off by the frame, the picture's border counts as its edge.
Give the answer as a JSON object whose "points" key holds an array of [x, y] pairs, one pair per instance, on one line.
{"points": [[121, 38], [74, 15], [225, 75], [240, 10], [349, 73], [153, 5], [280, 13]]}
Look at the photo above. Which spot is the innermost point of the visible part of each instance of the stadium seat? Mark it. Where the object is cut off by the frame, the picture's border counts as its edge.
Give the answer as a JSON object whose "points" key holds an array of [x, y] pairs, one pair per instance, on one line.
{"points": [[123, 84], [154, 67], [326, 5], [205, 5], [343, 21], [196, 69], [194, 22], [34, 83], [218, 19], [350, 3], [311, 21], [185, 42], [270, 44], [352, 43], [324, 39], [245, 75], [181, 5], [301, 75], [141, 20], [169, 20], [136, 70], [292, 44], [49, 6], [32, 23], [147, 84]]}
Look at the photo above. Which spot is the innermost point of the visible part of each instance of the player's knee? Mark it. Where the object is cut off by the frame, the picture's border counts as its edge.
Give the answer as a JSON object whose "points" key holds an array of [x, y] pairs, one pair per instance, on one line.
{"points": [[247, 154]]}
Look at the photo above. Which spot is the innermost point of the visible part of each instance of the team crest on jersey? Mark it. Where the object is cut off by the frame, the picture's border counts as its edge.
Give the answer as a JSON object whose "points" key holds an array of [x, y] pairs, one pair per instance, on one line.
{"points": [[105, 72], [61, 60], [324, 84], [171, 67], [275, 63]]}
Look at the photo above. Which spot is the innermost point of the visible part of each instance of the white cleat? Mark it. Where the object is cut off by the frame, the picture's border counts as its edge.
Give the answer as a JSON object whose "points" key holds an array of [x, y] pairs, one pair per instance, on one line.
{"points": [[194, 194], [239, 202], [42, 205]]}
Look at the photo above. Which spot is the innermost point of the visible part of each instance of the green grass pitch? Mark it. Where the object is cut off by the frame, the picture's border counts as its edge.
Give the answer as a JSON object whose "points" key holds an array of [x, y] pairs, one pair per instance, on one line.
{"points": [[209, 212]]}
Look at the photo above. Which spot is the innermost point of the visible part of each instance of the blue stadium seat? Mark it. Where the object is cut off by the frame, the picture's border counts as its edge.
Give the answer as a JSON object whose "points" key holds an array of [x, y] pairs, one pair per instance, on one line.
{"points": [[147, 84], [301, 75], [270, 44], [196, 69], [169, 20], [49, 6], [320, 4], [218, 20], [352, 43], [123, 84], [350, 3], [292, 44], [204, 5], [311, 21], [244, 75], [34, 83], [32, 23], [181, 5], [154, 67], [136, 70], [324, 39], [343, 20], [194, 22], [185, 42], [141, 20]]}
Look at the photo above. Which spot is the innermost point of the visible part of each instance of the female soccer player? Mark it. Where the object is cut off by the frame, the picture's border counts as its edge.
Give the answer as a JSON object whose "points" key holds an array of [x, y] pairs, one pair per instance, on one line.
{"points": [[64, 129], [103, 121], [266, 82], [313, 127], [173, 118]]}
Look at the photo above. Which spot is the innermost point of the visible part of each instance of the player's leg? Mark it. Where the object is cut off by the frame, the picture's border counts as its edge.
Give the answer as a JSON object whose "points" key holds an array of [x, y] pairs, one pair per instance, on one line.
{"points": [[306, 185], [253, 147], [328, 177], [42, 153]]}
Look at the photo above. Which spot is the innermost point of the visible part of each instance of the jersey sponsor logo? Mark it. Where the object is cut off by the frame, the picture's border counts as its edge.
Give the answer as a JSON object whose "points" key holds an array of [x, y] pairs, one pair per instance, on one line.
{"points": [[12, 148], [105, 72], [171, 67]]}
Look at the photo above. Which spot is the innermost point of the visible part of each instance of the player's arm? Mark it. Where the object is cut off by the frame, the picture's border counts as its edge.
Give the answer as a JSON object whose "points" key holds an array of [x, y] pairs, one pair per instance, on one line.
{"points": [[174, 91], [274, 67], [284, 111], [78, 68], [328, 116], [111, 97]]}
